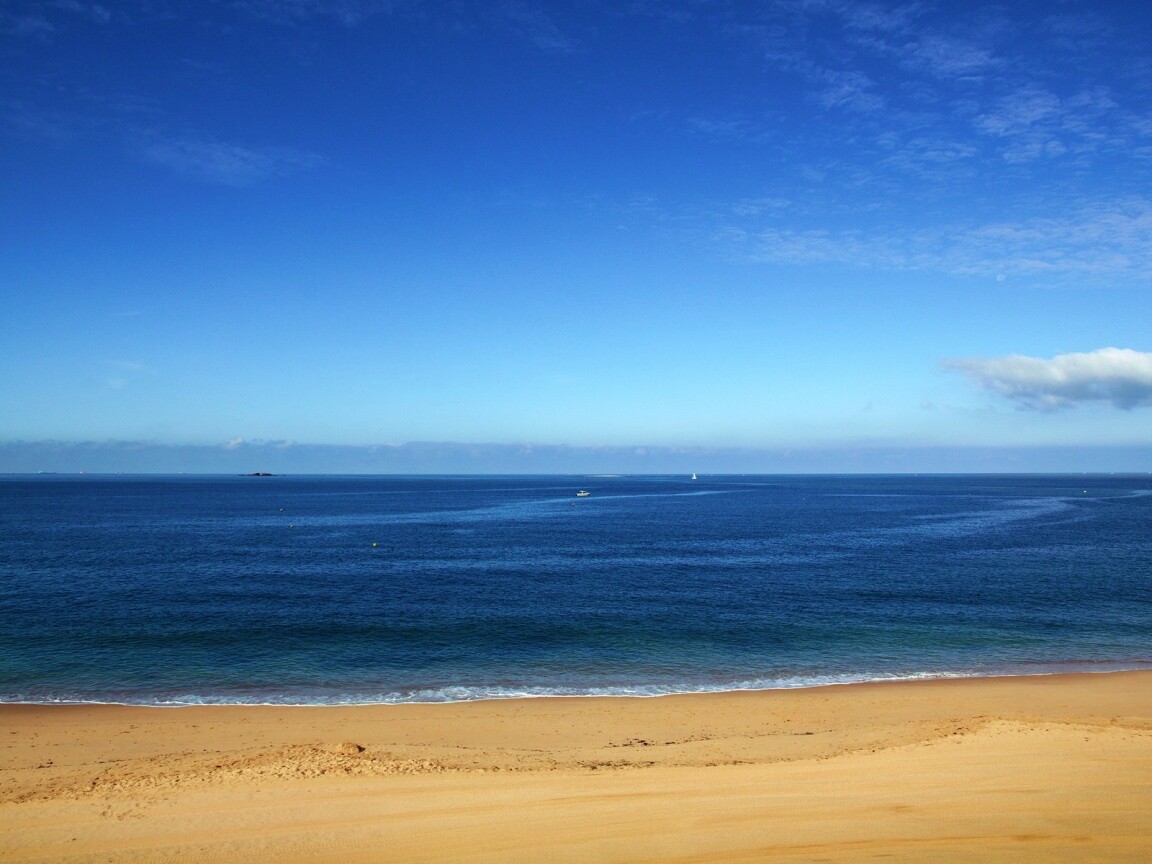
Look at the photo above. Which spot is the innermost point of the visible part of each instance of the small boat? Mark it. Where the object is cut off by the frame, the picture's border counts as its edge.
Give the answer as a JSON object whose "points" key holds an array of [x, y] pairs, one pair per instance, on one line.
{"points": [[693, 475], [583, 493]]}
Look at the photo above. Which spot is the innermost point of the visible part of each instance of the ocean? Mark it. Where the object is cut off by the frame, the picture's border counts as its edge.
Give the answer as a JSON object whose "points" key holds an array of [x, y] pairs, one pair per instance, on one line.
{"points": [[169, 590]]}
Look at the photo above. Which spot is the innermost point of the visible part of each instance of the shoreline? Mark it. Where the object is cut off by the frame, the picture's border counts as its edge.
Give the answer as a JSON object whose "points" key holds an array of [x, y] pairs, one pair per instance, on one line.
{"points": [[1071, 668], [1022, 768]]}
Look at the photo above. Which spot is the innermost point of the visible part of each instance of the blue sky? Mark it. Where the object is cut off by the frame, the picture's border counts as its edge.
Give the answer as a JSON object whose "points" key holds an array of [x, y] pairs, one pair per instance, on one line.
{"points": [[738, 227]]}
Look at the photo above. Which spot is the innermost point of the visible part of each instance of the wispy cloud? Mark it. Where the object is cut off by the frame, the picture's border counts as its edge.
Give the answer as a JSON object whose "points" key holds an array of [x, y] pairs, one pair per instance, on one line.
{"points": [[347, 12], [948, 56], [1120, 376], [849, 89], [1006, 93], [46, 17], [136, 125], [46, 126], [120, 374], [732, 128], [537, 27], [92, 11], [30, 23], [1028, 144], [1099, 241], [216, 161], [1028, 122]]}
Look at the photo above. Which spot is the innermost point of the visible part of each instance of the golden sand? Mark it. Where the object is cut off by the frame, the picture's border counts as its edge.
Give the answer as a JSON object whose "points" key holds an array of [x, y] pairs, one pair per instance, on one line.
{"points": [[1035, 769]]}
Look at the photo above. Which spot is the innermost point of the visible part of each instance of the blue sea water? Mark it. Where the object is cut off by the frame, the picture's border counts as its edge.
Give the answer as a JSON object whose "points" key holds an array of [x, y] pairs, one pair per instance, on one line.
{"points": [[174, 590]]}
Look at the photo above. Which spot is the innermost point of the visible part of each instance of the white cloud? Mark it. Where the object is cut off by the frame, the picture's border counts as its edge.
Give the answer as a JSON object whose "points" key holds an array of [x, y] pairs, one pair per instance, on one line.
{"points": [[1117, 375]]}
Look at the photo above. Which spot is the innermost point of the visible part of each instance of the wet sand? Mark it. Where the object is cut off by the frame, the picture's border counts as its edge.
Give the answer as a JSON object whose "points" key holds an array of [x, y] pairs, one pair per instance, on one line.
{"points": [[1048, 768]]}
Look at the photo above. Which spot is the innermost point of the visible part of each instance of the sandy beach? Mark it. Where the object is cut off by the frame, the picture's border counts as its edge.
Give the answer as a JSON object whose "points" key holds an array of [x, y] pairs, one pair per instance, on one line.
{"points": [[1048, 768]]}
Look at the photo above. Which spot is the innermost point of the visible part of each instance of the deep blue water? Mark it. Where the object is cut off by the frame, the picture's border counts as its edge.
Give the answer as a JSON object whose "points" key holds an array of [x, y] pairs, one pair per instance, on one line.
{"points": [[368, 589]]}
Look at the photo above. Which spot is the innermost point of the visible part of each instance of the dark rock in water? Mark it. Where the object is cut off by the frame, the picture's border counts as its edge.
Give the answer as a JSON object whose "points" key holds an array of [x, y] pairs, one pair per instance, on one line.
{"points": [[259, 474]]}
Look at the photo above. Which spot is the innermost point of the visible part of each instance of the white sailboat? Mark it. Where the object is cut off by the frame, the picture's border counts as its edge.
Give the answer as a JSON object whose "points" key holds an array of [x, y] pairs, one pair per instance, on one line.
{"points": [[693, 475]]}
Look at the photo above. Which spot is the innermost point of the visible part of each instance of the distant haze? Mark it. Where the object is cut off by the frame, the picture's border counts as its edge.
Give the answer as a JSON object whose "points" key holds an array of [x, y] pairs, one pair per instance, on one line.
{"points": [[450, 458]]}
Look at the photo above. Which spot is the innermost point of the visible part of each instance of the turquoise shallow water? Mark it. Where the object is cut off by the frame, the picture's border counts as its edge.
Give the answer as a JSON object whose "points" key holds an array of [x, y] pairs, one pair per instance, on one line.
{"points": [[170, 590]]}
